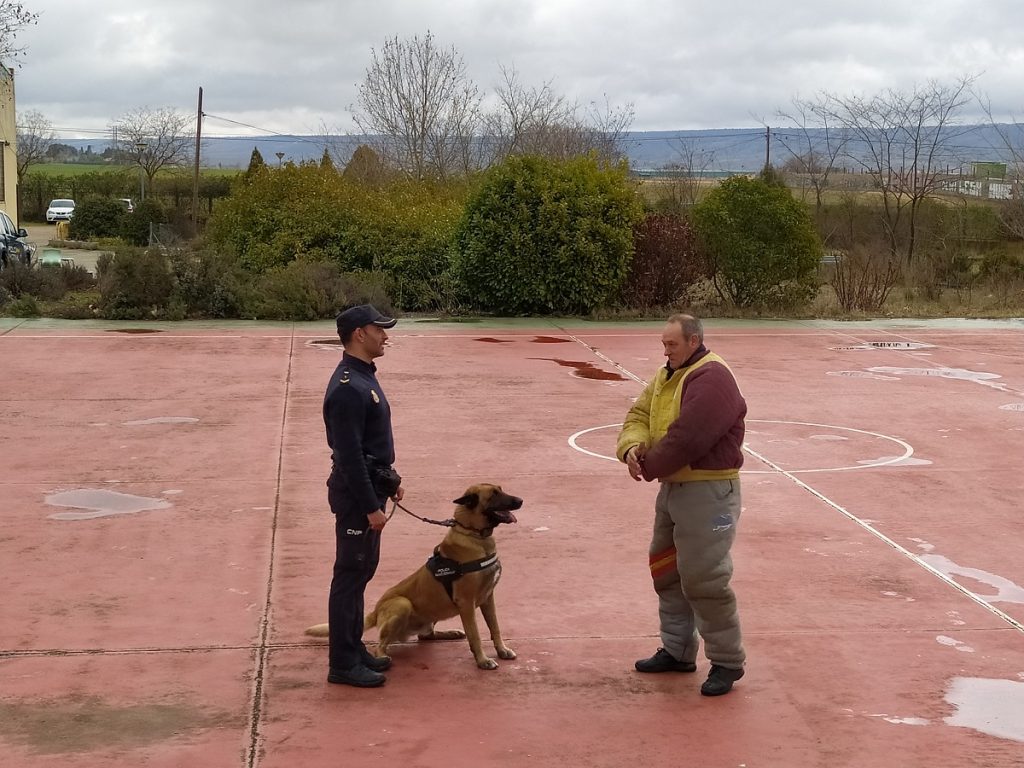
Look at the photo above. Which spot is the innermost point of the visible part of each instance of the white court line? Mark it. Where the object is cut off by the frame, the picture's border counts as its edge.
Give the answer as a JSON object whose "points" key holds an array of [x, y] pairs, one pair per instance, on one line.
{"points": [[878, 534], [908, 449], [849, 515]]}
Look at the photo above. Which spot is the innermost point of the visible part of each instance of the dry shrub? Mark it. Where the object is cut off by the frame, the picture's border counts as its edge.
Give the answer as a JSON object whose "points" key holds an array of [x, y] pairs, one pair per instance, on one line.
{"points": [[863, 279], [665, 263]]}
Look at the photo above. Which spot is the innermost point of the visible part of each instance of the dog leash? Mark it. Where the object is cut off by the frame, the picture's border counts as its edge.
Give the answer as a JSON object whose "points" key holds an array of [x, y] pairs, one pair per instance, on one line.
{"points": [[449, 523]]}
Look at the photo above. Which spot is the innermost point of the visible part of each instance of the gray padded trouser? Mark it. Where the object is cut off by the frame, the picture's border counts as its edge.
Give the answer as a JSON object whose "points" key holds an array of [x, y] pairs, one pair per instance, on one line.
{"points": [[694, 527]]}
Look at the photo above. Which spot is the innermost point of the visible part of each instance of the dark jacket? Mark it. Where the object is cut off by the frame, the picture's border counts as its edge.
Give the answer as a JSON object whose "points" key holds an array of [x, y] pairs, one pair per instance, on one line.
{"points": [[358, 421]]}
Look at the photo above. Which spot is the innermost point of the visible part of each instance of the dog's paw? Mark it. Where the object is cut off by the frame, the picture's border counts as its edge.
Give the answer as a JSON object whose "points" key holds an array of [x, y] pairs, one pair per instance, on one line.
{"points": [[487, 664], [443, 634], [506, 653]]}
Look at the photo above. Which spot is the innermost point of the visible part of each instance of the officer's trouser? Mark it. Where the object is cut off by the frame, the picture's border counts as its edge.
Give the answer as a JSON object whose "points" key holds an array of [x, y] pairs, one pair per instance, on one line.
{"points": [[694, 527], [357, 552]]}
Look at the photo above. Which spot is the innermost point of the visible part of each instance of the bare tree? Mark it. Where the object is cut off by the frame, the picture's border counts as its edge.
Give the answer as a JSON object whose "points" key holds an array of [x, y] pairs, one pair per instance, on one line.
{"points": [[904, 141], [692, 168], [13, 18], [523, 116], [814, 143], [154, 139], [538, 121], [35, 136], [420, 103]]}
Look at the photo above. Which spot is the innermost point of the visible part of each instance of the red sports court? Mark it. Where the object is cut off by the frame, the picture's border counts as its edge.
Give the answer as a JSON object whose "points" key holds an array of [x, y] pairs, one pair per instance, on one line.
{"points": [[165, 539]]}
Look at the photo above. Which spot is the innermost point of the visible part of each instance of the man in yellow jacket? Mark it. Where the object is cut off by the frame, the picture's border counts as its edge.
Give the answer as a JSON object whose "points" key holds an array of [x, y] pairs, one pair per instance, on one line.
{"points": [[686, 431]]}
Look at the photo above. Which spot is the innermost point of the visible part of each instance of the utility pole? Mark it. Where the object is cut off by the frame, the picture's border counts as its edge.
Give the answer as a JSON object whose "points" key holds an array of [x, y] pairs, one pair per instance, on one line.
{"points": [[195, 177], [767, 147]]}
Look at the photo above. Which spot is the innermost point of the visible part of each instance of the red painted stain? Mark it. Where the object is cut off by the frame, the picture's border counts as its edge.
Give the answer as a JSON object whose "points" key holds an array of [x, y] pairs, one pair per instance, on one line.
{"points": [[489, 340], [134, 330], [585, 370], [549, 340]]}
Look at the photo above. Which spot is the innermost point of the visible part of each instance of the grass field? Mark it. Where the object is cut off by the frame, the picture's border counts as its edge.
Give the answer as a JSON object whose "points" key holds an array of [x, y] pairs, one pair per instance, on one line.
{"points": [[80, 169]]}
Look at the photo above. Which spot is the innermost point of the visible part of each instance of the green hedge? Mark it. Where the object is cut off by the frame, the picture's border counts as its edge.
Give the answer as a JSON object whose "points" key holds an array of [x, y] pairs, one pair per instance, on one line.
{"points": [[546, 236]]}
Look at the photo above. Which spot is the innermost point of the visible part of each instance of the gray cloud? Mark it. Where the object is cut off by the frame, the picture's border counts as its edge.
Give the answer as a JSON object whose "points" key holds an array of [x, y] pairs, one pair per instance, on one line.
{"points": [[294, 66]]}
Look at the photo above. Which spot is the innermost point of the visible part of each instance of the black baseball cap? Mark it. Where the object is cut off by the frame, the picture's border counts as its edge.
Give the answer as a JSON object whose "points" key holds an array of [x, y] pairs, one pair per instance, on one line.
{"points": [[364, 314]]}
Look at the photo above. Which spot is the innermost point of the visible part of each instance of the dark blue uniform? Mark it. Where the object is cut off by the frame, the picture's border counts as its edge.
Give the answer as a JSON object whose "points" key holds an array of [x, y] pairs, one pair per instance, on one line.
{"points": [[358, 421]]}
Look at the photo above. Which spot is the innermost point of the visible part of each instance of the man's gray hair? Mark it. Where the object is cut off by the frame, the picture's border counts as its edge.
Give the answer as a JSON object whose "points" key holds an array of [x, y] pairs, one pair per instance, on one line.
{"points": [[692, 326]]}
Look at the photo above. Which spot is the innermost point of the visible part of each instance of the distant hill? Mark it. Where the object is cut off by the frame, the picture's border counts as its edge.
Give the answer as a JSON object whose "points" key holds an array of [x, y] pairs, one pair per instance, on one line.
{"points": [[725, 149]]}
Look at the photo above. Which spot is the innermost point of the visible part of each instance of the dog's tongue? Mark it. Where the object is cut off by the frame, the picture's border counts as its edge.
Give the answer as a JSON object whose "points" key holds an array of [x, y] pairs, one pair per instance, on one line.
{"points": [[512, 518]]}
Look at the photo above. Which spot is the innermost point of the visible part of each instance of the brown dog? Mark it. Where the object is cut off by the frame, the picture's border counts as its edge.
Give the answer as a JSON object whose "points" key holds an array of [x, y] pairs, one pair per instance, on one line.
{"points": [[458, 579]]}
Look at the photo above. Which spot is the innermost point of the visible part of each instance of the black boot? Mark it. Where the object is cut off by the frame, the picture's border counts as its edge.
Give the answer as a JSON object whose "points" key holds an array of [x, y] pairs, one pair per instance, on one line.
{"points": [[360, 676], [720, 680], [663, 661], [376, 663]]}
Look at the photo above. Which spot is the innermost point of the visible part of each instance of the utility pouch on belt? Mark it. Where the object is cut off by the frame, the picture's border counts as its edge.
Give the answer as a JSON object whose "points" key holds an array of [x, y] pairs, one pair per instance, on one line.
{"points": [[383, 477]]}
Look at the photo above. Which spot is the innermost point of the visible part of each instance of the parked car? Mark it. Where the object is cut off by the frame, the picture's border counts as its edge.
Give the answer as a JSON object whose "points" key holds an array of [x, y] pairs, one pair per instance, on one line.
{"points": [[14, 244], [60, 210], [129, 206]]}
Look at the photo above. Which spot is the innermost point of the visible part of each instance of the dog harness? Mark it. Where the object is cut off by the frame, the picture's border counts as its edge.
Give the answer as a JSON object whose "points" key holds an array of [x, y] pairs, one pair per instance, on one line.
{"points": [[448, 571]]}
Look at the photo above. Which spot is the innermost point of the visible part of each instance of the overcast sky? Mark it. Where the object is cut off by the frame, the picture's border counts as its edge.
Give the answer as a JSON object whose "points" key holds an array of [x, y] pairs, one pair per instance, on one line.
{"points": [[293, 66]]}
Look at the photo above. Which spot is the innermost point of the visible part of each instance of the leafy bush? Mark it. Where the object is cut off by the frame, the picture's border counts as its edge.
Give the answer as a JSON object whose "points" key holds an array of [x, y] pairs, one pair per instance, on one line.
{"points": [[75, 306], [97, 217], [665, 262], [543, 236], [134, 284], [17, 280], [49, 283], [761, 242], [23, 306], [1004, 274], [209, 284], [313, 290], [312, 213], [135, 226]]}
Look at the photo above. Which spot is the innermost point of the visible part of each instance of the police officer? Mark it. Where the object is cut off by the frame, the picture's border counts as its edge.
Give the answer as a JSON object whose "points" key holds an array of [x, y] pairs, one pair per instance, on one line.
{"points": [[358, 421]]}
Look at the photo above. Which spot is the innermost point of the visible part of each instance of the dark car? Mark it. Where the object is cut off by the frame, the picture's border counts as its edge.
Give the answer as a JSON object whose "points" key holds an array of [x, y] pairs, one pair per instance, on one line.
{"points": [[14, 244]]}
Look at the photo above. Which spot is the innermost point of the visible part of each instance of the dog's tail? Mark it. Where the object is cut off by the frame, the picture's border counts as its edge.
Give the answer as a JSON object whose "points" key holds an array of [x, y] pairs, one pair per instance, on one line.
{"points": [[321, 630]]}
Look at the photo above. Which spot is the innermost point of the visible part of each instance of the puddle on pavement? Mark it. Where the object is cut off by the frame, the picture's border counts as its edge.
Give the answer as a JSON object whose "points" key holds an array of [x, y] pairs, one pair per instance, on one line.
{"points": [[161, 420], [134, 330], [68, 726], [861, 375], [325, 342], [988, 706], [943, 373], [585, 370], [884, 345], [1005, 590], [489, 340], [93, 503]]}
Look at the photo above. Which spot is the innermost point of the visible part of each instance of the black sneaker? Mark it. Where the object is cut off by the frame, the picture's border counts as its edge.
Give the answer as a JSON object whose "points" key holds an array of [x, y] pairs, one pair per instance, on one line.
{"points": [[663, 661], [376, 663], [360, 676], [720, 680]]}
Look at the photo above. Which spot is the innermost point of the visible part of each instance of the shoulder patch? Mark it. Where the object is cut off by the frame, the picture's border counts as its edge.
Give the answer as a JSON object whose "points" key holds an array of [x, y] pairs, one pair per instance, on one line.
{"points": [[373, 394]]}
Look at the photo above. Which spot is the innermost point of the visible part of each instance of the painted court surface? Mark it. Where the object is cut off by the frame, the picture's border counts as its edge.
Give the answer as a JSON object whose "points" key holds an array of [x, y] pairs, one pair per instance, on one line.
{"points": [[164, 541]]}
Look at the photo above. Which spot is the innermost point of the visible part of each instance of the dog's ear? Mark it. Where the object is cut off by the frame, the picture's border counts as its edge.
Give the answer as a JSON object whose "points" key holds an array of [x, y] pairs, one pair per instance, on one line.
{"points": [[469, 500]]}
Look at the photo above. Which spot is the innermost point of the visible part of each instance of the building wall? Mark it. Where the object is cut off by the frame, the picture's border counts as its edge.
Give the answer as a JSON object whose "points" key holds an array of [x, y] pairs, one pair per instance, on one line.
{"points": [[9, 137]]}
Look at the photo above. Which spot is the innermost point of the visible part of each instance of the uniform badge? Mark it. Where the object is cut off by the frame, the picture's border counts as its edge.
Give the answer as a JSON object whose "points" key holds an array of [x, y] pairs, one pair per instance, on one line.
{"points": [[344, 380], [373, 394]]}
